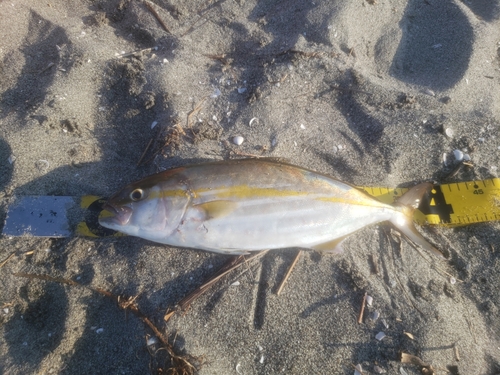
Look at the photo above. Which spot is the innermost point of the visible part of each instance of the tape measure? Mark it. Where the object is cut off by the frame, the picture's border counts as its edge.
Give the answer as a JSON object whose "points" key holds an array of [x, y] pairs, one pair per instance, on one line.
{"points": [[455, 204]]}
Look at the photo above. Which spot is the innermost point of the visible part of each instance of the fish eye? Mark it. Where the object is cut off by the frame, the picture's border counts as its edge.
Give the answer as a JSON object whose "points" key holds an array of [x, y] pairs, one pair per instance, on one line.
{"points": [[136, 195]]}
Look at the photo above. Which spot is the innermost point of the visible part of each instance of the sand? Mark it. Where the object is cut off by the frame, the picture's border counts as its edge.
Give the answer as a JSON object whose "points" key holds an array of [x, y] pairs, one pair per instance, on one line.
{"points": [[361, 90]]}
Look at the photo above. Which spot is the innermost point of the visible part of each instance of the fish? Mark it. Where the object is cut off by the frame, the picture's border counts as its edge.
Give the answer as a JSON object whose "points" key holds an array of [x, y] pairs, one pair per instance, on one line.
{"points": [[245, 205]]}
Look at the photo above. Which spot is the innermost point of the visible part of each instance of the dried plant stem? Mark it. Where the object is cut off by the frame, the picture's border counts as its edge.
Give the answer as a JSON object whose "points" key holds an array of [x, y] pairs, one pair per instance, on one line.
{"points": [[360, 318], [7, 259], [156, 15], [180, 364], [289, 272]]}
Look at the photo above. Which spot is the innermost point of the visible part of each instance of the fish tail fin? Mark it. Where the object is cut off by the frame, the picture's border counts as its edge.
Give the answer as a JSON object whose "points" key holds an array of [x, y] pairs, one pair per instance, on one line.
{"points": [[407, 204]]}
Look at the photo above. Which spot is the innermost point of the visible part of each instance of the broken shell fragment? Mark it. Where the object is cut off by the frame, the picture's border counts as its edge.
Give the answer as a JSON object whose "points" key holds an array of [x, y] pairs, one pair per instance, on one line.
{"points": [[369, 300], [238, 140], [375, 315], [152, 341], [409, 335], [380, 336]]}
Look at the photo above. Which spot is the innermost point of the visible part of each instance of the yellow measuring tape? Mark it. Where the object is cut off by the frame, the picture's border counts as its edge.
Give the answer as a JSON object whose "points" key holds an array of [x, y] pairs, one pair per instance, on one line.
{"points": [[458, 203]]}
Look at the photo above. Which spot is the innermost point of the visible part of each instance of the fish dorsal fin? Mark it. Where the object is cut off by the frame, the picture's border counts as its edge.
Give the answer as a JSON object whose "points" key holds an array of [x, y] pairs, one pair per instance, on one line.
{"points": [[217, 209], [331, 247], [413, 197]]}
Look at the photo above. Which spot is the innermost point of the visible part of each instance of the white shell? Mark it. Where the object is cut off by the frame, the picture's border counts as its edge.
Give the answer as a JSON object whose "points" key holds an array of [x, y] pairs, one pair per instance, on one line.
{"points": [[152, 341], [238, 368], [380, 336], [238, 140], [449, 132], [215, 94], [459, 155], [369, 300]]}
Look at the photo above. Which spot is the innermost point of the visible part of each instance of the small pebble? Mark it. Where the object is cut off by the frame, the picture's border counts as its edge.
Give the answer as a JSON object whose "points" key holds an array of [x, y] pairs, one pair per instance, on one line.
{"points": [[241, 90], [429, 92], [369, 300], [99, 330], [302, 126], [335, 149], [262, 359], [453, 280], [466, 157], [384, 322], [481, 140], [11, 159], [375, 315], [449, 132], [459, 155], [380, 336], [379, 370], [6, 310], [238, 140], [236, 283], [153, 124]]}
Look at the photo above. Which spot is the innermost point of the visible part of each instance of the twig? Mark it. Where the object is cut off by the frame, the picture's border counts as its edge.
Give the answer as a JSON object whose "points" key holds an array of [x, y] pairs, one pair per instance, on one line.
{"points": [[51, 64], [156, 15], [7, 259], [229, 266], [137, 52], [360, 318], [181, 364], [145, 150], [399, 280], [289, 272], [195, 110]]}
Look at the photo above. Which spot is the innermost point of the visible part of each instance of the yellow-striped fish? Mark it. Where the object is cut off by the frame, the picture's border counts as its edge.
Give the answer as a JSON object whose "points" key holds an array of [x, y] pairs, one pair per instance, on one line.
{"points": [[239, 206]]}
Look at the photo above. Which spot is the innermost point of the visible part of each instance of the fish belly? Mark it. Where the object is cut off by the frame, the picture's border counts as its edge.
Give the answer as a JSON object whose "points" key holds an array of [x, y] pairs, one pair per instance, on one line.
{"points": [[261, 224]]}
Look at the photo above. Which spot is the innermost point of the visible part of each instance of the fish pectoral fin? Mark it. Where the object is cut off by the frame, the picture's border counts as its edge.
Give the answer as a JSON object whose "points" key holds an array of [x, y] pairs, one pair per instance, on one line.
{"points": [[217, 209], [332, 247]]}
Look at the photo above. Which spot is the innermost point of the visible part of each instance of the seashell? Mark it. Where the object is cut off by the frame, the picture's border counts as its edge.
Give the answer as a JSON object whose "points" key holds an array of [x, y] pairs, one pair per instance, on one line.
{"points": [[238, 140]]}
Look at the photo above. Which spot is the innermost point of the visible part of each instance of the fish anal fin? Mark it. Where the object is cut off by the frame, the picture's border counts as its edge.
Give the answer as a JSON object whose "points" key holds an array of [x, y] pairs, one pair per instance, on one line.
{"points": [[217, 209], [331, 247]]}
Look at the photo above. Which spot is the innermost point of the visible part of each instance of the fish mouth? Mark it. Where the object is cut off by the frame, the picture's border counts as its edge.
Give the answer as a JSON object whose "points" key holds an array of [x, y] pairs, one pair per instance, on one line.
{"points": [[111, 216]]}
